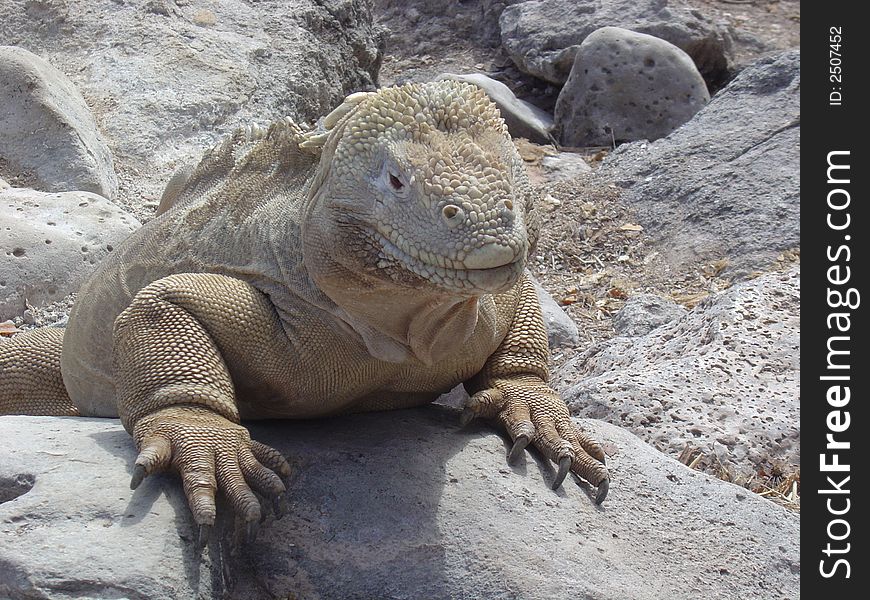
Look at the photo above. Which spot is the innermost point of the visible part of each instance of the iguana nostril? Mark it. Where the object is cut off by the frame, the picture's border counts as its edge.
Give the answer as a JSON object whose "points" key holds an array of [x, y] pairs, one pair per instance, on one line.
{"points": [[453, 215], [506, 208]]}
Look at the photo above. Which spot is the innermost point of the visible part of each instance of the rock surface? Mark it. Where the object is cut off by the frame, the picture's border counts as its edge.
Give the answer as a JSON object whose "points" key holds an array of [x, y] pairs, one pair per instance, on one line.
{"points": [[524, 120], [487, 21], [48, 136], [561, 329], [725, 184], [564, 165], [627, 86], [167, 79], [644, 312], [724, 378], [542, 36], [51, 242], [422, 28], [389, 505]]}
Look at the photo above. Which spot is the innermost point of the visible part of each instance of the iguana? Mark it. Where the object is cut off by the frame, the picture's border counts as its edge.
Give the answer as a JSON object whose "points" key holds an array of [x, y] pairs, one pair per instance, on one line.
{"points": [[372, 264]]}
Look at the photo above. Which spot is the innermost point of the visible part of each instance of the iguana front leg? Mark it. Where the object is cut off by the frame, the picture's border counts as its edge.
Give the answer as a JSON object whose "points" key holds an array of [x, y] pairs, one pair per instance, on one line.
{"points": [[512, 389], [176, 396]]}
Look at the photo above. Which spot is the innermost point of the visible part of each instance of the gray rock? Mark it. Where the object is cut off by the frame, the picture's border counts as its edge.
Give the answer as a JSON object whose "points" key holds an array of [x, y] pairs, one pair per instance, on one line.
{"points": [[627, 86], [426, 25], [524, 120], [49, 243], [48, 137], [167, 79], [564, 165], [644, 312], [456, 398], [542, 36], [723, 379], [561, 329], [725, 184], [486, 23], [391, 505]]}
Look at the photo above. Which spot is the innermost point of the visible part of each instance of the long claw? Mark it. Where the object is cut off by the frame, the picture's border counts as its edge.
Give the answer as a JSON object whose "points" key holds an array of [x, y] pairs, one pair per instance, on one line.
{"points": [[466, 417], [138, 475], [518, 448], [251, 532], [603, 488], [564, 466], [204, 534], [278, 506]]}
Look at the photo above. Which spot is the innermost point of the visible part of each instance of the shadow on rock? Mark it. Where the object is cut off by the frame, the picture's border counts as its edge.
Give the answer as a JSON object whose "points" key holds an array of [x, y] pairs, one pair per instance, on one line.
{"points": [[363, 504], [363, 508]]}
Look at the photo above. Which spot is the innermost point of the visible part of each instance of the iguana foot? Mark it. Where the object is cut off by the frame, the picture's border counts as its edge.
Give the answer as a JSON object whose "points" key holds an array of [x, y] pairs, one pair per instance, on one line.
{"points": [[211, 453], [533, 413]]}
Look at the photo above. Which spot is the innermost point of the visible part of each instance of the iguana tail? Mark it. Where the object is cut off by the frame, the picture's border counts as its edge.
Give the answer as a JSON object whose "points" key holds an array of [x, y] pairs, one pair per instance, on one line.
{"points": [[30, 379]]}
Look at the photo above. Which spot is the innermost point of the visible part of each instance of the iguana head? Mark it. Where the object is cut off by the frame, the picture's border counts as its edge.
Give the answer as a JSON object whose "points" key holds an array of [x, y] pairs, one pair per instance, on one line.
{"points": [[422, 186]]}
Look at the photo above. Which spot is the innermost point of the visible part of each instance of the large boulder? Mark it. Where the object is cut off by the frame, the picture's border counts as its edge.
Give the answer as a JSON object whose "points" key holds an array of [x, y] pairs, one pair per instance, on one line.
{"points": [[542, 36], [724, 379], [166, 79], [48, 136], [627, 86], [724, 186], [49, 243], [393, 505]]}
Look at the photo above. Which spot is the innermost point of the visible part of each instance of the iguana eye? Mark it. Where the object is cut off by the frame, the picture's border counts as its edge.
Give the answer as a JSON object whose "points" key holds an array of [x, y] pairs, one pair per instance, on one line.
{"points": [[393, 180], [396, 183]]}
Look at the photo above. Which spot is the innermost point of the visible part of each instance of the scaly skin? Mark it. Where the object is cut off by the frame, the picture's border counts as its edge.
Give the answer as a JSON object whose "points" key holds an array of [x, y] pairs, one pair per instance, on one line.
{"points": [[292, 274]]}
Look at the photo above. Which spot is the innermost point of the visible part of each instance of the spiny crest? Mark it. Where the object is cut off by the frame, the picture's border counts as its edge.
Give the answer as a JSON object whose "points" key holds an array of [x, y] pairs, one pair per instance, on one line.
{"points": [[245, 138], [411, 111], [447, 105], [272, 147]]}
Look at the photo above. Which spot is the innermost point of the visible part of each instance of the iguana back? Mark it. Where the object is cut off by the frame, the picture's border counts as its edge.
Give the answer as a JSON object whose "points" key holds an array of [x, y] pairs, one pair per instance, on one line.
{"points": [[237, 206]]}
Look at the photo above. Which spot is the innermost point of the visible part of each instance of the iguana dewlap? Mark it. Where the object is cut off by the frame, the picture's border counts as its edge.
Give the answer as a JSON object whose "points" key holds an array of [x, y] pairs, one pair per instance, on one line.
{"points": [[291, 274]]}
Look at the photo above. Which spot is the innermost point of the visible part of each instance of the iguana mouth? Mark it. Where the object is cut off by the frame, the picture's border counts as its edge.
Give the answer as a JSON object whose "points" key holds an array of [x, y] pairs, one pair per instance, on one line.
{"points": [[468, 281]]}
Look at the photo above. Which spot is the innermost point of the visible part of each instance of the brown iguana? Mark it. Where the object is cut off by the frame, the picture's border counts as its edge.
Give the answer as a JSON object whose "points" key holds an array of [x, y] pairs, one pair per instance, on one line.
{"points": [[290, 274]]}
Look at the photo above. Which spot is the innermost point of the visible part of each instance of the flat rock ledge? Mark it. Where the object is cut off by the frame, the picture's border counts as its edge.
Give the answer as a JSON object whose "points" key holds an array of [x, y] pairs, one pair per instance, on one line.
{"points": [[389, 505]]}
